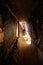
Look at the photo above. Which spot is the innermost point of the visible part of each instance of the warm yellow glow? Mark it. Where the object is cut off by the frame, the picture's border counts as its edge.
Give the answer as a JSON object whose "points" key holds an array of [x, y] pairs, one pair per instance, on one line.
{"points": [[27, 39], [26, 36], [17, 31]]}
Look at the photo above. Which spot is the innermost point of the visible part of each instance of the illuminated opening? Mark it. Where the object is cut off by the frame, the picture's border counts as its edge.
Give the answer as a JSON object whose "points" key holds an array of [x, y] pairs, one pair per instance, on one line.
{"points": [[22, 31]]}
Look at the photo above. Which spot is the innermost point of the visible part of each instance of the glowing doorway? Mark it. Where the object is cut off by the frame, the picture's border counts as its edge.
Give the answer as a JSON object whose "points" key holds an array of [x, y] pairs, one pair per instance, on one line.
{"points": [[22, 32]]}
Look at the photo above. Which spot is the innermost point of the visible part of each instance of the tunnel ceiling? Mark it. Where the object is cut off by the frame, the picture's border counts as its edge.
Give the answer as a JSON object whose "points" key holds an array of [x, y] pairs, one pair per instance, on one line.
{"points": [[21, 8]]}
